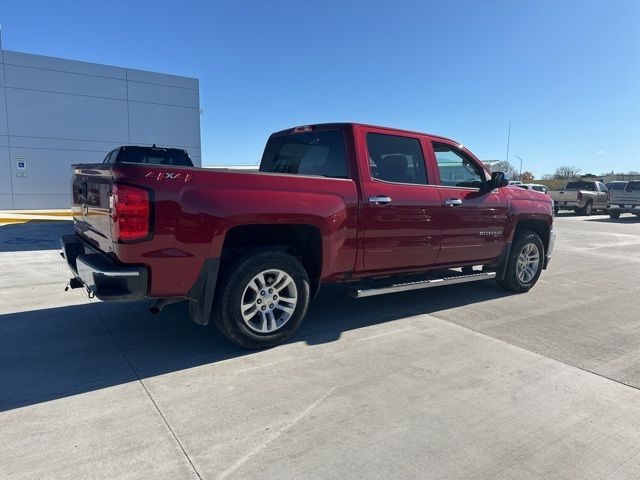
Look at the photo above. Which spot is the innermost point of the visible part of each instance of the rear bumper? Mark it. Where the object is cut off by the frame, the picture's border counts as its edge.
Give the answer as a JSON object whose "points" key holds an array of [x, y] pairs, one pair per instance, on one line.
{"points": [[101, 275]]}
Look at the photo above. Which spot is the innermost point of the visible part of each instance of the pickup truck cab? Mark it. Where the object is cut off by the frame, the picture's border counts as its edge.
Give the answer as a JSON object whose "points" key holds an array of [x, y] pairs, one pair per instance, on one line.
{"points": [[626, 200], [382, 210], [582, 196]]}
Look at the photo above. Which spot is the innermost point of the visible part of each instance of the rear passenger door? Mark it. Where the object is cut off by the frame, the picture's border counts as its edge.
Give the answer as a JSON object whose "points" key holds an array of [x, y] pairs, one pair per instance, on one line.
{"points": [[471, 218], [399, 204]]}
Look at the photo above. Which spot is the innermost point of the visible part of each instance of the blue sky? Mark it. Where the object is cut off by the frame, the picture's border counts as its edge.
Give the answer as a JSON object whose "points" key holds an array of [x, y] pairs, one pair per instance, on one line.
{"points": [[566, 73]]}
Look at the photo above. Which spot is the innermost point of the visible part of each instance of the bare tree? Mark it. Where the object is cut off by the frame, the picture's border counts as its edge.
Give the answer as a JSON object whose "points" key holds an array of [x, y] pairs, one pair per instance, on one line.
{"points": [[527, 176], [566, 172]]}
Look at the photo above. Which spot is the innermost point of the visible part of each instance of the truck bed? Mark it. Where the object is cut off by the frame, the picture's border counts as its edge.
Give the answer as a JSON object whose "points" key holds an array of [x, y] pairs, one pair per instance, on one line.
{"points": [[193, 209]]}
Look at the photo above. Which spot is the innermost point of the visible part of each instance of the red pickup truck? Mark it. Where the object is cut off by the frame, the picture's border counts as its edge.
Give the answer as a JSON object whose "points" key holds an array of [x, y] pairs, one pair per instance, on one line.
{"points": [[380, 209]]}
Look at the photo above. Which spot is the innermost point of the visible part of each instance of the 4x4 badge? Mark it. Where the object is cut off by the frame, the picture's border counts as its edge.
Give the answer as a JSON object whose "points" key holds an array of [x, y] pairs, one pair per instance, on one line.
{"points": [[187, 177]]}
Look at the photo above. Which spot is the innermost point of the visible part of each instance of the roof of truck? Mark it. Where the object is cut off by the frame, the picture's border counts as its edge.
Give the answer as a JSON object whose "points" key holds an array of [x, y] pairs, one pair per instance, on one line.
{"points": [[354, 124]]}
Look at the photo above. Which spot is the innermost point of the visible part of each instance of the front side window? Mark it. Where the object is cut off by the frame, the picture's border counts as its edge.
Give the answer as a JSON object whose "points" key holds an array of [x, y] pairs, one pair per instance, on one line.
{"points": [[315, 153], [456, 170], [396, 159]]}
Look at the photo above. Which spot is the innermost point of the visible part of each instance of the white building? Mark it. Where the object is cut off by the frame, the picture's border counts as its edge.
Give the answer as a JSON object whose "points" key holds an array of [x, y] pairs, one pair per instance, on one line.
{"points": [[56, 112]]}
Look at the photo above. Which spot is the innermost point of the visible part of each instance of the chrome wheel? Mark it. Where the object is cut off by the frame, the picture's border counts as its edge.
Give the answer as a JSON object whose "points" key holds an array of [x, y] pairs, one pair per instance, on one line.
{"points": [[528, 263], [268, 301]]}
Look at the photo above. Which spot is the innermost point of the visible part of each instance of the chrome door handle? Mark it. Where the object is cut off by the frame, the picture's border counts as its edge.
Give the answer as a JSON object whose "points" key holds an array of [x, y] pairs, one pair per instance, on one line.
{"points": [[379, 199], [453, 202]]}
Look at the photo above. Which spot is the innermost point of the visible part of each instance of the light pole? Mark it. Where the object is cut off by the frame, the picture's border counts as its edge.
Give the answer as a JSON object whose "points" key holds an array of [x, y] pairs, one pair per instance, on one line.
{"points": [[520, 158]]}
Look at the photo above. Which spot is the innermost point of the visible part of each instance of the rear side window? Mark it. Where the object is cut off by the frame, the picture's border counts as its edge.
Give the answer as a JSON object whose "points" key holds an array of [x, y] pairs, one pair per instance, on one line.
{"points": [[153, 156], [633, 186], [396, 159], [314, 153], [616, 185]]}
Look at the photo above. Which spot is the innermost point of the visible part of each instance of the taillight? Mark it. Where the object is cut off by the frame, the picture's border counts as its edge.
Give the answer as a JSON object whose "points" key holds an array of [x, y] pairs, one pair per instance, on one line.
{"points": [[130, 213], [608, 195], [579, 197]]}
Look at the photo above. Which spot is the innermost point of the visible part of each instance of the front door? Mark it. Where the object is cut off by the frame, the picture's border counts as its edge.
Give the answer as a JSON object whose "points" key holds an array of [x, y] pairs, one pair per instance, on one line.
{"points": [[400, 205], [471, 218]]}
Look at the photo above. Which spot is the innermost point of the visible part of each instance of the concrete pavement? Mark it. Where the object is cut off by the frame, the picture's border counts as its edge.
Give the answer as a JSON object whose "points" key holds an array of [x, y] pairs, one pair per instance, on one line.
{"points": [[464, 381]]}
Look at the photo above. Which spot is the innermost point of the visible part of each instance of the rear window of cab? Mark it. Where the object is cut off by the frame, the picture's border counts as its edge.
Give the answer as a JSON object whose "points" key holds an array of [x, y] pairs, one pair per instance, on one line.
{"points": [[312, 153]]}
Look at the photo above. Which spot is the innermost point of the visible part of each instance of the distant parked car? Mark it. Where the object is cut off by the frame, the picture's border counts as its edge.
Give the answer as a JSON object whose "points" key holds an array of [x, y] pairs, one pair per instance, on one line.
{"points": [[582, 196], [534, 186], [515, 182], [626, 200]]}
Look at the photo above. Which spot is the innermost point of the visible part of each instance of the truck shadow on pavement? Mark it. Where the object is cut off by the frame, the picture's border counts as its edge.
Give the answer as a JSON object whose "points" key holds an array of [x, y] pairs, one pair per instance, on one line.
{"points": [[33, 235], [59, 352], [622, 219]]}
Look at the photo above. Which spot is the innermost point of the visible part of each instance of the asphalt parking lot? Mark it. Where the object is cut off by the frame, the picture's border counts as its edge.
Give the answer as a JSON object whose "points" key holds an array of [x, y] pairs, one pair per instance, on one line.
{"points": [[466, 381]]}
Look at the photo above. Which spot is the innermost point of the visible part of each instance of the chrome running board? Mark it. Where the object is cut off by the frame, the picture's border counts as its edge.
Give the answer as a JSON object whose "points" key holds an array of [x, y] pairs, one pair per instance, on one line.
{"points": [[453, 278]]}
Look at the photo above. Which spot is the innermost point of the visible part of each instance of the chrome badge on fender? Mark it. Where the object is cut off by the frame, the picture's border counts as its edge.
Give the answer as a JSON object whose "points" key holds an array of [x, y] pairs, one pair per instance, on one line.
{"points": [[186, 177]]}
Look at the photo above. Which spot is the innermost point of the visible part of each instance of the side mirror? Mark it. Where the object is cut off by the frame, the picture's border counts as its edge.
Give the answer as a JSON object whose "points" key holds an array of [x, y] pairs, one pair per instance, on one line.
{"points": [[498, 180]]}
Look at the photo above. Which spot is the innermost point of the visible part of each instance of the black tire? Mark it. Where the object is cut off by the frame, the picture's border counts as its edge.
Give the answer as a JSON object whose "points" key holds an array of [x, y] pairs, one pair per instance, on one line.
{"points": [[614, 215], [226, 313], [556, 210], [587, 209], [511, 281]]}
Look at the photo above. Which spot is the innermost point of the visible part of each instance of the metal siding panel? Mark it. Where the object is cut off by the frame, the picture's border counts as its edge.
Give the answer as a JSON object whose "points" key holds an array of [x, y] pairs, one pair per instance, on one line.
{"points": [[62, 64], [56, 115], [64, 82], [164, 125], [162, 79], [3, 112], [49, 171], [62, 144], [6, 202], [162, 94], [38, 201], [5, 171]]}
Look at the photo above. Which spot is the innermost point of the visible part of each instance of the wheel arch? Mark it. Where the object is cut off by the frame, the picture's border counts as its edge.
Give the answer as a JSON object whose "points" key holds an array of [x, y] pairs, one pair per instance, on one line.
{"points": [[537, 225], [303, 241]]}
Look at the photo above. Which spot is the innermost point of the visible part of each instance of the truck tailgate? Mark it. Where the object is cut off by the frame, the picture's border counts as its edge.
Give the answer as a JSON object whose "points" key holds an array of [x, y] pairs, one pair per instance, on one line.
{"points": [[91, 186], [564, 195]]}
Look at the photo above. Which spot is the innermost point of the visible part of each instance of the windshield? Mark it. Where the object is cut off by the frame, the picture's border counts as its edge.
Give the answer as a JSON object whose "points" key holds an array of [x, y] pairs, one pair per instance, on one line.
{"points": [[581, 186], [314, 153]]}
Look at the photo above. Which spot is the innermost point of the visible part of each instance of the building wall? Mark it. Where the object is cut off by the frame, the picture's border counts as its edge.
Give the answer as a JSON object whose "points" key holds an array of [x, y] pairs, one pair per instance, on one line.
{"points": [[56, 112]]}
